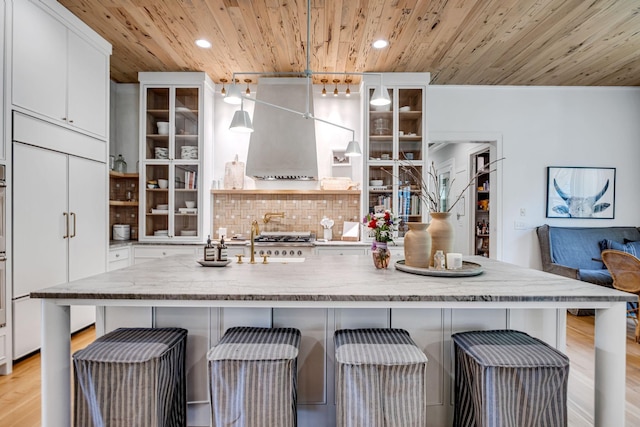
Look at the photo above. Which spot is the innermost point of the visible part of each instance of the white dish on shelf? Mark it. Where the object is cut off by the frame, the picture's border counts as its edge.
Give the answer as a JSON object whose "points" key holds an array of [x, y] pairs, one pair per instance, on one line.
{"points": [[161, 233], [163, 207], [183, 110], [188, 232], [188, 210], [190, 204], [376, 182], [405, 108], [159, 211]]}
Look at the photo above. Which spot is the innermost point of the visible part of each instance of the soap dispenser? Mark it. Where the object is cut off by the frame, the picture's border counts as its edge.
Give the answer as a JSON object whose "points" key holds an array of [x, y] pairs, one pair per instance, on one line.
{"points": [[222, 250], [209, 251]]}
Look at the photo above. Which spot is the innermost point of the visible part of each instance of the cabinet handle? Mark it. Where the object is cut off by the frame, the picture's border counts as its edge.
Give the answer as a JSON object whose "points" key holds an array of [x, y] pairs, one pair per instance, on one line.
{"points": [[70, 121], [66, 217], [64, 119], [74, 224]]}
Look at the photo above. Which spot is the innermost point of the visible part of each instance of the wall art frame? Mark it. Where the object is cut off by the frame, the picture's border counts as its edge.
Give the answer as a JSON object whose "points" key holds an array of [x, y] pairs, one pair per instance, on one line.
{"points": [[581, 192], [339, 158]]}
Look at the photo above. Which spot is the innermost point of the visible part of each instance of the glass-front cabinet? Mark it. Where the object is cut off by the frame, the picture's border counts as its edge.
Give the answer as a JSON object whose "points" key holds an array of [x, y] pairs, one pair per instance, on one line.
{"points": [[175, 146], [395, 148]]}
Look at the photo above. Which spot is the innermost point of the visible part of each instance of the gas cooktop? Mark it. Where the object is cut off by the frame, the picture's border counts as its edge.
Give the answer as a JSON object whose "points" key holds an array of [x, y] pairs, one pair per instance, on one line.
{"points": [[284, 237]]}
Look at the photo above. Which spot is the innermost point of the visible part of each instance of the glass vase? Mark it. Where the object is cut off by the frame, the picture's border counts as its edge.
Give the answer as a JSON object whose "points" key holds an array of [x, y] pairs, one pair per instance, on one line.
{"points": [[381, 254]]}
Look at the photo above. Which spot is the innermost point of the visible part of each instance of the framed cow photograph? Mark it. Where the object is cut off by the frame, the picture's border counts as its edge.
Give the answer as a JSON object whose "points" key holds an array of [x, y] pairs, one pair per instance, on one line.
{"points": [[581, 192]]}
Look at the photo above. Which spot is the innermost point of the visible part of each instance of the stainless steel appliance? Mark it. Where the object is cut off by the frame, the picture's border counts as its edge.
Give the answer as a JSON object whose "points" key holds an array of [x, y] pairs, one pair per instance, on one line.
{"points": [[3, 248], [284, 244]]}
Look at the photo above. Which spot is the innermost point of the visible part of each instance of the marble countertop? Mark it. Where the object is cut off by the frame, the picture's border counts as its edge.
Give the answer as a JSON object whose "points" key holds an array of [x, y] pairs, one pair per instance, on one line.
{"points": [[326, 278], [233, 242]]}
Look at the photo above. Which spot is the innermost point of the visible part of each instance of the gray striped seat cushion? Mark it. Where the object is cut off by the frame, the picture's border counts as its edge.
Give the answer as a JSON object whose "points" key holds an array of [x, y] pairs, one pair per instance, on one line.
{"points": [[377, 346], [381, 379], [249, 343], [132, 377], [253, 377], [508, 378]]}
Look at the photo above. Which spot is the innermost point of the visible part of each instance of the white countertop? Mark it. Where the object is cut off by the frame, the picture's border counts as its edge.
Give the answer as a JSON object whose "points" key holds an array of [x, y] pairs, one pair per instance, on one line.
{"points": [[327, 279]]}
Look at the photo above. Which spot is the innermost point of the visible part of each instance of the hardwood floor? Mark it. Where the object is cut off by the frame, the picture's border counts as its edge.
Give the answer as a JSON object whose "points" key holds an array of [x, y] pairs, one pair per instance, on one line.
{"points": [[580, 352], [20, 391]]}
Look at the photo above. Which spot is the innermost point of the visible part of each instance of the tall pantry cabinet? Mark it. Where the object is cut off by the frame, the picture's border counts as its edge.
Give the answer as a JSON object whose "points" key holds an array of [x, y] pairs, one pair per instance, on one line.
{"points": [[58, 98]]}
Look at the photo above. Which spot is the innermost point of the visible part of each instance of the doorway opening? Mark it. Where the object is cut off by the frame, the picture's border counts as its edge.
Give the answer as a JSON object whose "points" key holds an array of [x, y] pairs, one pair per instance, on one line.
{"points": [[457, 158]]}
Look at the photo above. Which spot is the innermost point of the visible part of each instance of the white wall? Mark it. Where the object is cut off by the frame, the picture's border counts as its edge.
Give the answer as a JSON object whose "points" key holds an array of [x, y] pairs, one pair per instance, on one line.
{"points": [[546, 126]]}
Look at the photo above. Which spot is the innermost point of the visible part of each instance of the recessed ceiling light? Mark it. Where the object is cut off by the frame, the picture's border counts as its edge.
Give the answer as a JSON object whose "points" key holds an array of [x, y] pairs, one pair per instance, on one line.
{"points": [[379, 44], [203, 43]]}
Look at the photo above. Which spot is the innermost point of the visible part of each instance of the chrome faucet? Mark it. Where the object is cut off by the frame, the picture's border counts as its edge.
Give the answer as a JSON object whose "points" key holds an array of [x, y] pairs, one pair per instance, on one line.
{"points": [[255, 229], [267, 217]]}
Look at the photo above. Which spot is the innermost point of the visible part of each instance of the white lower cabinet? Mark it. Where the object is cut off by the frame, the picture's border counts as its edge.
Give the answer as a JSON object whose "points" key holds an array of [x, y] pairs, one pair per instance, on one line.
{"points": [[59, 206], [3, 349], [341, 250], [119, 258], [145, 253], [27, 317]]}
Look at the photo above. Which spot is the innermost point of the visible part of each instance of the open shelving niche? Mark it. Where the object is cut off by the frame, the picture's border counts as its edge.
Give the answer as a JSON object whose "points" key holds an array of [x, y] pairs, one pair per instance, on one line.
{"points": [[121, 209]]}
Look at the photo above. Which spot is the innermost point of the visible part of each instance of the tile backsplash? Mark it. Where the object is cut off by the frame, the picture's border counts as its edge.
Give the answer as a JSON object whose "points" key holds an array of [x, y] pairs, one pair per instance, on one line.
{"points": [[303, 212]]}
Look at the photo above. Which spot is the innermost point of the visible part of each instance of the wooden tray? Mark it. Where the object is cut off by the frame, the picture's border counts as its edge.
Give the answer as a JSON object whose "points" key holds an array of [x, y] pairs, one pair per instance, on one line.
{"points": [[468, 269]]}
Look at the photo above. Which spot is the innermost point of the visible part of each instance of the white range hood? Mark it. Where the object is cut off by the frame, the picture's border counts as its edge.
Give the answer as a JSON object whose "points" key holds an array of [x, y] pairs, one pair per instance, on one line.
{"points": [[283, 144]]}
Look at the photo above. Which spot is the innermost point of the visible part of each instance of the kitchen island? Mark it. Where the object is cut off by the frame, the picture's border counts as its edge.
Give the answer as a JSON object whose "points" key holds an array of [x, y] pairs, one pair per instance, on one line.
{"points": [[344, 291]]}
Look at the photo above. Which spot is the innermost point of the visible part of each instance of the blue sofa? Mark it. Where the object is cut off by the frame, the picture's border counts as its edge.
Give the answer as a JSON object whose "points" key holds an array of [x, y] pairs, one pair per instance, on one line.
{"points": [[575, 251]]}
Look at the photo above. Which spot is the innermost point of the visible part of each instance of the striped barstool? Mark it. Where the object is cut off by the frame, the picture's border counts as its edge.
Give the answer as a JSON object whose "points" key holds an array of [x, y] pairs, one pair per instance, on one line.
{"points": [[132, 377], [252, 377], [381, 379], [508, 378]]}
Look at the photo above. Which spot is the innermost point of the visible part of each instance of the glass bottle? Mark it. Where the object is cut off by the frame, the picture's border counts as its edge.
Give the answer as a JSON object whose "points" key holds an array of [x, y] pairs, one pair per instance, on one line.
{"points": [[438, 260], [120, 164]]}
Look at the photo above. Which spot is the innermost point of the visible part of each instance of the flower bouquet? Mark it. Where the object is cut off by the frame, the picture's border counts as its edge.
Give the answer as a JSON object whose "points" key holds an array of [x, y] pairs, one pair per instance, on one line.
{"points": [[381, 227]]}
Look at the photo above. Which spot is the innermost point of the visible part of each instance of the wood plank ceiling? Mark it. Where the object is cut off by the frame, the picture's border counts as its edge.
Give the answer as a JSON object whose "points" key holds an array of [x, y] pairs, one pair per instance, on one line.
{"points": [[479, 42]]}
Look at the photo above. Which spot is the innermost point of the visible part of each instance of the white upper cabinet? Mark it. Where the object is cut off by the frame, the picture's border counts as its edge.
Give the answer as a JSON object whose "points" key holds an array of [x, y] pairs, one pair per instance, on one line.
{"points": [[57, 73], [88, 86]]}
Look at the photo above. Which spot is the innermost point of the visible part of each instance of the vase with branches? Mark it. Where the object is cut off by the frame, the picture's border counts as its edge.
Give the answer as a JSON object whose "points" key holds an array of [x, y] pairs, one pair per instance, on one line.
{"points": [[434, 197], [430, 184]]}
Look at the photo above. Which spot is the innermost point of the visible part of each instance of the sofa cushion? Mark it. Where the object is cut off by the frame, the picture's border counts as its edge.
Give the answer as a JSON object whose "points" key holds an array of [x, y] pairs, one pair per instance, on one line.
{"points": [[578, 247], [600, 277], [629, 246]]}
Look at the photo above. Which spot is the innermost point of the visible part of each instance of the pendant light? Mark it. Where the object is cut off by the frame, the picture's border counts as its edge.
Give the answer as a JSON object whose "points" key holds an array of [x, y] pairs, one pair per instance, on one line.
{"points": [[248, 91], [348, 91], [335, 91], [353, 149], [233, 96], [223, 91], [241, 121], [380, 95], [324, 88]]}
